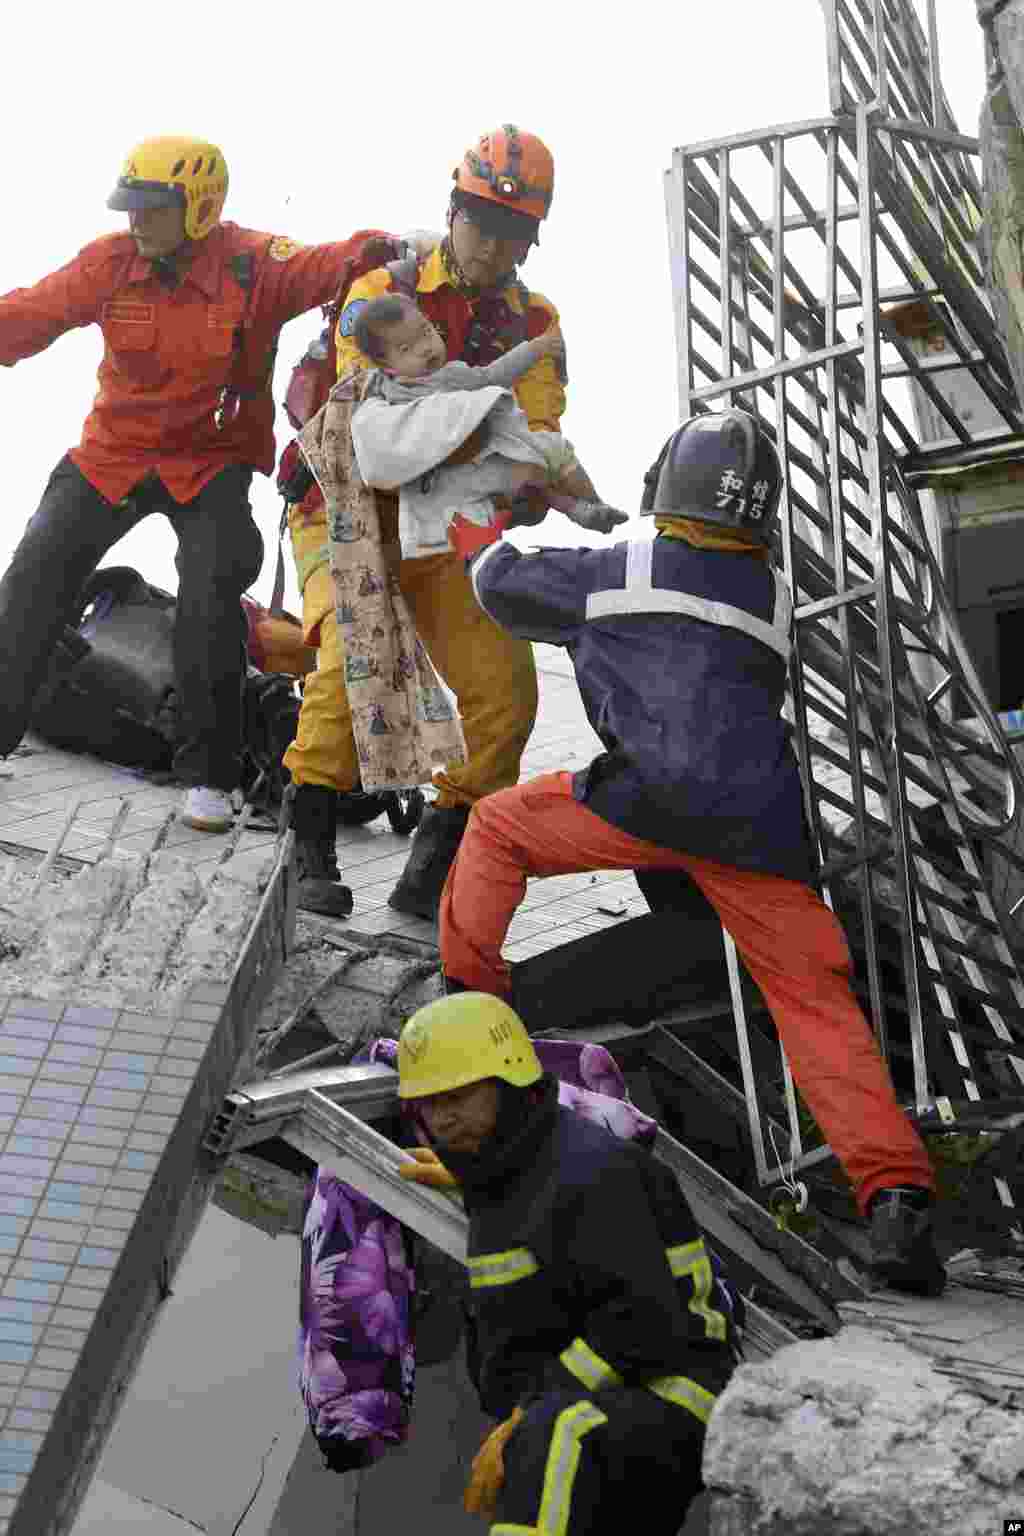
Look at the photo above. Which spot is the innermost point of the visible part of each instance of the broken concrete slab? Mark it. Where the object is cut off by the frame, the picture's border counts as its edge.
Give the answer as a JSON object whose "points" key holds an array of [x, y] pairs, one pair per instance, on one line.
{"points": [[859, 1435]]}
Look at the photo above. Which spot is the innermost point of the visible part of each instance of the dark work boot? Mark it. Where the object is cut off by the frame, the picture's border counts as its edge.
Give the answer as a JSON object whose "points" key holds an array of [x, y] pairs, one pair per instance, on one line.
{"points": [[433, 850], [903, 1242], [315, 823]]}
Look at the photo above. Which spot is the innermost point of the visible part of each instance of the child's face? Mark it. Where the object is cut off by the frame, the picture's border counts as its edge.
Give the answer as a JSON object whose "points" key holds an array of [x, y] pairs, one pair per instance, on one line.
{"points": [[412, 347]]}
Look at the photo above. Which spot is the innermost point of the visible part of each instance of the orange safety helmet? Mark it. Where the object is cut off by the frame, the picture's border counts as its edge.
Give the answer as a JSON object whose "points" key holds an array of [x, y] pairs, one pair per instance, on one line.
{"points": [[509, 167]]}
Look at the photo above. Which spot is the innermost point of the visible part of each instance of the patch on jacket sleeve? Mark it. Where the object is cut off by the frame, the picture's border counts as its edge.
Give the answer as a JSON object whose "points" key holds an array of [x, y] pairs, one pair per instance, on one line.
{"points": [[350, 314], [282, 249]]}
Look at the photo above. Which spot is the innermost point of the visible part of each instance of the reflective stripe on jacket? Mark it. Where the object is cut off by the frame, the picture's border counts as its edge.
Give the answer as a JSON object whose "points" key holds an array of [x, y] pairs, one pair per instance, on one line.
{"points": [[587, 1268], [681, 658]]}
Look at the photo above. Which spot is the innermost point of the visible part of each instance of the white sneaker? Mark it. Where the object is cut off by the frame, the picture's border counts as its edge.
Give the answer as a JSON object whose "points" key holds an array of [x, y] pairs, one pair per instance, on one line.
{"points": [[208, 810]]}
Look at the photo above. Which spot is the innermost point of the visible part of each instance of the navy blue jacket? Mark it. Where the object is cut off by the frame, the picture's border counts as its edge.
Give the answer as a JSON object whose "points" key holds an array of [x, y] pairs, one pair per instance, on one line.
{"points": [[586, 1266], [681, 658]]}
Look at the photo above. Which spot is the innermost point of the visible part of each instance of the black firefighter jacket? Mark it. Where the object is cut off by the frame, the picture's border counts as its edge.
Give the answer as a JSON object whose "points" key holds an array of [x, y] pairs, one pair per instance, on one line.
{"points": [[587, 1268]]}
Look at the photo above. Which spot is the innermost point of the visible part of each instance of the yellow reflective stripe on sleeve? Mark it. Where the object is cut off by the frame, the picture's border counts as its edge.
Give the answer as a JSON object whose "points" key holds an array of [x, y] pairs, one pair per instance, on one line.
{"points": [[588, 1367], [501, 1268], [691, 1260], [682, 1256], [685, 1394], [563, 1459]]}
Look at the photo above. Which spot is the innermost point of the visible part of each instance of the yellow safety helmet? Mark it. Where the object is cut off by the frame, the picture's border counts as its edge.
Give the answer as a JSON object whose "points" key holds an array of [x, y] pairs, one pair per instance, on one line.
{"points": [[463, 1039], [162, 172]]}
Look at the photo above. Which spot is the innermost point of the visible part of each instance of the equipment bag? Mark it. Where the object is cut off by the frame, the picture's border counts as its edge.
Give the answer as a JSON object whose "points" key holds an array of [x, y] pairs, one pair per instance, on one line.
{"points": [[110, 688]]}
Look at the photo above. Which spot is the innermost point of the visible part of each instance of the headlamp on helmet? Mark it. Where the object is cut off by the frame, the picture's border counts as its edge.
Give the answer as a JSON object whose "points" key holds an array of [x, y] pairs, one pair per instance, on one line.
{"points": [[511, 167]]}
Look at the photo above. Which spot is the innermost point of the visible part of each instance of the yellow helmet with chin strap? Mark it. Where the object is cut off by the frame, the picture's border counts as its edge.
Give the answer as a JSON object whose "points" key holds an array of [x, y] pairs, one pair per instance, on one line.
{"points": [[464, 1039], [175, 171]]}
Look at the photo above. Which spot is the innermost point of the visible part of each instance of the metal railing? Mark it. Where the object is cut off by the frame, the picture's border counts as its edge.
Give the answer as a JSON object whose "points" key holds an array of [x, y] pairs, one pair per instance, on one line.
{"points": [[825, 278]]}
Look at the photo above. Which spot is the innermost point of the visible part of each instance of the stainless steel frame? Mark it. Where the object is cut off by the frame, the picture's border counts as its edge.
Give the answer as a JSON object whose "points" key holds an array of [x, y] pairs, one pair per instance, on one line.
{"points": [[808, 262]]}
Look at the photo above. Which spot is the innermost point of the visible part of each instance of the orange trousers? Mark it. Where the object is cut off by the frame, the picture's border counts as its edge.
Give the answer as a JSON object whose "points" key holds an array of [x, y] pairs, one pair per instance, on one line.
{"points": [[789, 940]]}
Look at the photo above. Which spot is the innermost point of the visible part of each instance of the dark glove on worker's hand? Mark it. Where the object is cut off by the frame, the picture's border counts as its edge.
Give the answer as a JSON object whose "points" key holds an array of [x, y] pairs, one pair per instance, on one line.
{"points": [[427, 1169], [378, 250], [488, 1474]]}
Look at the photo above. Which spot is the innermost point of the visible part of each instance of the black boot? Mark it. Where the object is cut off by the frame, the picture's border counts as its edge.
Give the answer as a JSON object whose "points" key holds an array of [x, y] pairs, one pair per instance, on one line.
{"points": [[903, 1242], [314, 820], [434, 847]]}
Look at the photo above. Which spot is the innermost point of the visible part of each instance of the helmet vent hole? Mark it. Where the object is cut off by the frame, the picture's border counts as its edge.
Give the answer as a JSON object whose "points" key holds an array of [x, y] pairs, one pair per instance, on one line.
{"points": [[212, 165], [197, 166], [178, 168]]}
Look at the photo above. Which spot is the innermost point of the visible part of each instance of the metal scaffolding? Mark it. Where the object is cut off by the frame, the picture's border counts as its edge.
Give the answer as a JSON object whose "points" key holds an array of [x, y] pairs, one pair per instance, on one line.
{"points": [[826, 277]]}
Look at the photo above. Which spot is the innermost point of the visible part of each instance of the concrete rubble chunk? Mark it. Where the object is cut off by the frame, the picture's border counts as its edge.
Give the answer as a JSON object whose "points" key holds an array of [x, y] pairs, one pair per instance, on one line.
{"points": [[860, 1436]]}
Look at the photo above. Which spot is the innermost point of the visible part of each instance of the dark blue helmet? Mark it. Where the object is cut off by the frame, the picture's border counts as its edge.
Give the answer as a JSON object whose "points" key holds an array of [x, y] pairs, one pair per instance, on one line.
{"points": [[718, 468]]}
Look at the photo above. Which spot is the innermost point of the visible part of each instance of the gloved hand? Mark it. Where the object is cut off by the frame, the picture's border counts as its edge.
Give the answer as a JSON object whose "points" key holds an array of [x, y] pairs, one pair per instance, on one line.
{"points": [[422, 241], [427, 1169], [378, 250], [488, 1474], [467, 538], [596, 516]]}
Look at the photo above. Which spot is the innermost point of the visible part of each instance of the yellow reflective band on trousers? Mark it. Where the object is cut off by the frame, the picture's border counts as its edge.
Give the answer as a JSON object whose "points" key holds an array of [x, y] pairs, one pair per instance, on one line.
{"points": [[588, 1367], [563, 1459], [514, 1530], [595, 1374], [685, 1394], [501, 1268], [691, 1259]]}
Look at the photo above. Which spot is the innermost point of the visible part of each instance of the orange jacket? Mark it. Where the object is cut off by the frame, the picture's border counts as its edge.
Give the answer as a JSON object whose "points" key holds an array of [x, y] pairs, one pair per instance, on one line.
{"points": [[170, 352]]}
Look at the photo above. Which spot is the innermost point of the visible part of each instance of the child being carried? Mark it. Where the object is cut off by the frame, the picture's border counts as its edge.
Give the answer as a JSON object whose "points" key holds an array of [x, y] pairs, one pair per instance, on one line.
{"points": [[418, 409]]}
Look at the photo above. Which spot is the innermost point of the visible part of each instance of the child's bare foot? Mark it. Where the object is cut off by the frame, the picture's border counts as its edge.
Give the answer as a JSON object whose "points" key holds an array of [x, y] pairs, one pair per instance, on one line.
{"points": [[596, 516]]}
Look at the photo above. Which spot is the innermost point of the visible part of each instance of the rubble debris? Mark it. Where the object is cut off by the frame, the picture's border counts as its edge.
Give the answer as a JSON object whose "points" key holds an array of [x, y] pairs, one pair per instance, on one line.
{"points": [[129, 930], [861, 1435]]}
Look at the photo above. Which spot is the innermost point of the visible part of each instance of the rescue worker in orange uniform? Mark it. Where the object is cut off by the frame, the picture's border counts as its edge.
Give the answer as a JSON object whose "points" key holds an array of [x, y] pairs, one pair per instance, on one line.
{"points": [[469, 290], [680, 646], [190, 308]]}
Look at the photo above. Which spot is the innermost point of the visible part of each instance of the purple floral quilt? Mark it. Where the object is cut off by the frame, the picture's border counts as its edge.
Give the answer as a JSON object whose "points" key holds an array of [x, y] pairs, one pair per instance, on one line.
{"points": [[356, 1360]]}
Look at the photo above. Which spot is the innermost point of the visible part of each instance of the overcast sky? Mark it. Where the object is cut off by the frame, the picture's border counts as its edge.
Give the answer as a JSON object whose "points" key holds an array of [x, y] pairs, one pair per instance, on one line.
{"points": [[331, 122]]}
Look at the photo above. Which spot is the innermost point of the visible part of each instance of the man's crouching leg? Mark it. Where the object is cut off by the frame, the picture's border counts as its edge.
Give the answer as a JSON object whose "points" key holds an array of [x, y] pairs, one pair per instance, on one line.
{"points": [[587, 1466]]}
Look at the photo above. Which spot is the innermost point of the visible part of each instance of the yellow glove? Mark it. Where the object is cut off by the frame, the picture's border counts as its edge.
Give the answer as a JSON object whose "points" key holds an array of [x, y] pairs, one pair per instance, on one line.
{"points": [[427, 1169], [488, 1474]]}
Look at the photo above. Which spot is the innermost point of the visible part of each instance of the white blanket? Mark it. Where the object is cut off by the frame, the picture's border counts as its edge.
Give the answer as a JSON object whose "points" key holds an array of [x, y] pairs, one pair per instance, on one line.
{"points": [[397, 445]]}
